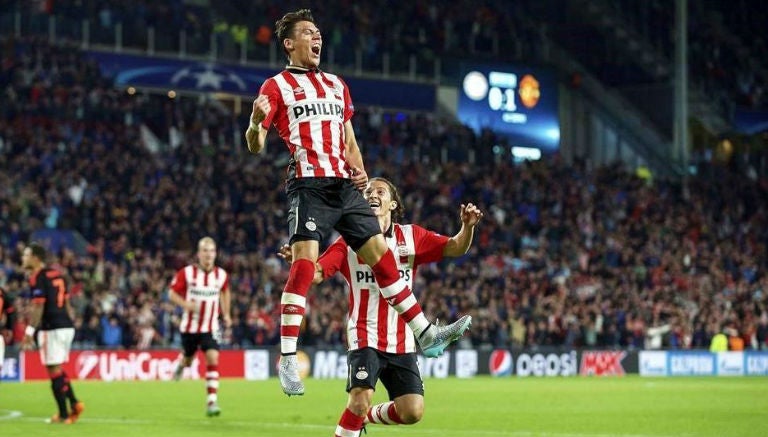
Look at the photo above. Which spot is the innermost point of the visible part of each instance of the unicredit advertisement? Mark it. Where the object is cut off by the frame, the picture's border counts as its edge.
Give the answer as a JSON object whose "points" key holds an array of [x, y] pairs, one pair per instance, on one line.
{"points": [[518, 102], [134, 365]]}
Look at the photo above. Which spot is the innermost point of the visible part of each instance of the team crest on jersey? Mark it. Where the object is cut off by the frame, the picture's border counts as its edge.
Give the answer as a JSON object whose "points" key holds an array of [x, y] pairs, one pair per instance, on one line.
{"points": [[298, 90], [311, 226], [402, 250]]}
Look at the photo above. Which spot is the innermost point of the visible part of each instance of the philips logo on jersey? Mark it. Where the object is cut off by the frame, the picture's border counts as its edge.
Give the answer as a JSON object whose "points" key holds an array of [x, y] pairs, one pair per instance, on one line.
{"points": [[204, 292], [304, 109], [366, 277]]}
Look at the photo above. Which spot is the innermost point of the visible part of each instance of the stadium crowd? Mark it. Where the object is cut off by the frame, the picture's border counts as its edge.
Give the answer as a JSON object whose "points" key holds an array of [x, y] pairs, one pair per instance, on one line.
{"points": [[727, 48], [568, 255]]}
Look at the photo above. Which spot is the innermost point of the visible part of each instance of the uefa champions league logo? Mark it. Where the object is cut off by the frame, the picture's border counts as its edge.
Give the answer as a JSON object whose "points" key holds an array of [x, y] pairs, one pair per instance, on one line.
{"points": [[207, 76]]}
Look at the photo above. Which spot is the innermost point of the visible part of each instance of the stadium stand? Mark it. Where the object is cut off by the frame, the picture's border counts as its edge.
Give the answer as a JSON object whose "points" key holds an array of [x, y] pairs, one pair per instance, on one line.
{"points": [[567, 255]]}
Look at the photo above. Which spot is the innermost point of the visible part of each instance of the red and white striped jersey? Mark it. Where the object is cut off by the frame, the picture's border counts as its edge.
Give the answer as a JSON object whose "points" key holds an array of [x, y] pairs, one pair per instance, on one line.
{"points": [[205, 288], [309, 109], [371, 322]]}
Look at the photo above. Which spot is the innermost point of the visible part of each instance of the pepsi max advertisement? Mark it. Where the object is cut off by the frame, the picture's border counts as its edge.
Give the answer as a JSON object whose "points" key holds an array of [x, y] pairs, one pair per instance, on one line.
{"points": [[515, 101], [557, 363], [468, 363]]}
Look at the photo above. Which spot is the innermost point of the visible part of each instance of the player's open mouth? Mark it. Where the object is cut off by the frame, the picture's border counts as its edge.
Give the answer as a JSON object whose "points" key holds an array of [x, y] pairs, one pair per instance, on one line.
{"points": [[374, 204], [316, 49]]}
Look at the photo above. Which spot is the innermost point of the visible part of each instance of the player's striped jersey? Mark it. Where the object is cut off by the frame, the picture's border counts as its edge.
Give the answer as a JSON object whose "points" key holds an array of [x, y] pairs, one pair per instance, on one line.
{"points": [[309, 109], [204, 288], [50, 290], [371, 321]]}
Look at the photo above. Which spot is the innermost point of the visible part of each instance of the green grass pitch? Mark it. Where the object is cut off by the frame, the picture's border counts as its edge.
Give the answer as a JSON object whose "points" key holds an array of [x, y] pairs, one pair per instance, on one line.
{"points": [[483, 406]]}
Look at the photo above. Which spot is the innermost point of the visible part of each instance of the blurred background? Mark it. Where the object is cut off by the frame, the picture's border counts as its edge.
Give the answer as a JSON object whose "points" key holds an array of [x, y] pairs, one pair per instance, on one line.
{"points": [[619, 149]]}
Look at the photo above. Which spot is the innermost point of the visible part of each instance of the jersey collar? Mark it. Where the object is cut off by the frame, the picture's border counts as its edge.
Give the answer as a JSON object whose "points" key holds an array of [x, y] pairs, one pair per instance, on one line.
{"points": [[301, 70], [390, 231]]}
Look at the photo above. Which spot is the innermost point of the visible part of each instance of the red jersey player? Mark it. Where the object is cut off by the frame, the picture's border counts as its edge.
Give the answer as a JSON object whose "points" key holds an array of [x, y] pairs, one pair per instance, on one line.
{"points": [[312, 112], [202, 290], [381, 345]]}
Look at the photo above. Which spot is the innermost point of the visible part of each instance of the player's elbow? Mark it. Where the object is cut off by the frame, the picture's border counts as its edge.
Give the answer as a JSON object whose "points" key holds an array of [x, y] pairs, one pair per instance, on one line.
{"points": [[255, 147], [454, 250]]}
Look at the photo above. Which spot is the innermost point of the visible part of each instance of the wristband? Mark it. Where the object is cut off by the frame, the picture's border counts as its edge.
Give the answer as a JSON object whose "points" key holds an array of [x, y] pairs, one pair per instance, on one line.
{"points": [[254, 126], [29, 331]]}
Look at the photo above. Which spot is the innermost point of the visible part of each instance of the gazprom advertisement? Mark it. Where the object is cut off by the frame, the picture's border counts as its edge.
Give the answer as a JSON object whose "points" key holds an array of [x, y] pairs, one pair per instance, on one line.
{"points": [[515, 101], [703, 363]]}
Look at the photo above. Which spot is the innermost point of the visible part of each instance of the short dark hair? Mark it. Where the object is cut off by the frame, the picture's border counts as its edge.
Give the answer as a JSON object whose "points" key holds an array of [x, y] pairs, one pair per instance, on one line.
{"points": [[284, 26], [38, 251], [399, 211]]}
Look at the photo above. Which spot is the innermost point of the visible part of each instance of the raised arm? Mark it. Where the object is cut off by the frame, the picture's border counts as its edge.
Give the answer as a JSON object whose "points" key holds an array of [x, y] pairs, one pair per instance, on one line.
{"points": [[256, 134], [459, 244]]}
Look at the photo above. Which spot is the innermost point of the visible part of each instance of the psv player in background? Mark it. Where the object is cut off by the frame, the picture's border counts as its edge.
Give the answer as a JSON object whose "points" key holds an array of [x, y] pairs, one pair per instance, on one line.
{"points": [[381, 345], [202, 291], [51, 327]]}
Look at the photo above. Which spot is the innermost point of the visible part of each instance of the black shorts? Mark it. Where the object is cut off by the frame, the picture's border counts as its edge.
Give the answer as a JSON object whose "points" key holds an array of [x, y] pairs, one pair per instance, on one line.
{"points": [[318, 205], [203, 341], [398, 372]]}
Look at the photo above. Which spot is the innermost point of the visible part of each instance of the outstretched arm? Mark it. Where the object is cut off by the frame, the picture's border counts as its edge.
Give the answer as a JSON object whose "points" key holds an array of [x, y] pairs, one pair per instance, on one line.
{"points": [[459, 244]]}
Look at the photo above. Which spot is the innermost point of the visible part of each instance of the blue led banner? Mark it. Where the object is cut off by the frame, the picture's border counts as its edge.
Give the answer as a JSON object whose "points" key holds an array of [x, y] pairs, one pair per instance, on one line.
{"points": [[177, 74]]}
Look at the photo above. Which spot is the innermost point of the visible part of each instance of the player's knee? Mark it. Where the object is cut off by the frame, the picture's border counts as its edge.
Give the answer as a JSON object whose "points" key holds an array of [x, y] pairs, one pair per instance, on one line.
{"points": [[411, 414], [410, 409], [359, 405]]}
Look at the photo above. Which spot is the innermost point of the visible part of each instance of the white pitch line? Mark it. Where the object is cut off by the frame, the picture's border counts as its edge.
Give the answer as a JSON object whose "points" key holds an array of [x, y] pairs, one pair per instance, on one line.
{"points": [[10, 414], [18, 415], [108, 420]]}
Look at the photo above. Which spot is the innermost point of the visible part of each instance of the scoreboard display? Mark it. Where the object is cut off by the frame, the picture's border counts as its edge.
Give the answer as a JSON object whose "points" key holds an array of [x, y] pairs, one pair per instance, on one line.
{"points": [[517, 102]]}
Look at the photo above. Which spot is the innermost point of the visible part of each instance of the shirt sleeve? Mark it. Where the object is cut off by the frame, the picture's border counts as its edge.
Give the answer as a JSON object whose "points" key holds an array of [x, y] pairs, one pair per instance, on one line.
{"points": [[38, 284], [349, 107], [429, 245], [332, 259], [269, 88], [179, 284]]}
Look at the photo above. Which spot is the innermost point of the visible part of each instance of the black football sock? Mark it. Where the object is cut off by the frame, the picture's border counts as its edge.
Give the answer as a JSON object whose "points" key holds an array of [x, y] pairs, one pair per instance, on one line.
{"points": [[69, 391], [57, 386]]}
